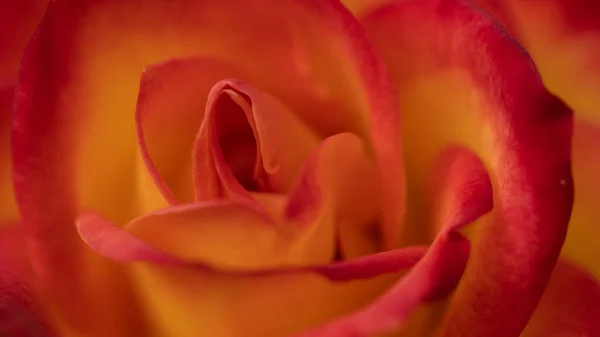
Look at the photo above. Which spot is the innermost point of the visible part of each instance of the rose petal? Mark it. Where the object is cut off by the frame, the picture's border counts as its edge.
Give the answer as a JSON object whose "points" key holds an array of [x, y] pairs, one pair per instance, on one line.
{"points": [[466, 188], [115, 243], [169, 112], [18, 20], [20, 313], [570, 305], [248, 141], [79, 84], [521, 132], [563, 38], [332, 190]]}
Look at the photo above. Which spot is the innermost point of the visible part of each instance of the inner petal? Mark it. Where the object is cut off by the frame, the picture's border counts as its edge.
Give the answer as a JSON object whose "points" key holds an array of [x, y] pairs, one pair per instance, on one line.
{"points": [[248, 142], [237, 141]]}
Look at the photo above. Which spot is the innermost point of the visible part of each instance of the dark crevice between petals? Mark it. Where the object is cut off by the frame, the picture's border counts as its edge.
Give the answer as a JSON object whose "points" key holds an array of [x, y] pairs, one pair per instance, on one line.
{"points": [[237, 142]]}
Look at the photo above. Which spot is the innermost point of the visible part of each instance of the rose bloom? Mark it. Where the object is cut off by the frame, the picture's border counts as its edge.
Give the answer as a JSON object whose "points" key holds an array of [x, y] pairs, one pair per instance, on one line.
{"points": [[296, 168]]}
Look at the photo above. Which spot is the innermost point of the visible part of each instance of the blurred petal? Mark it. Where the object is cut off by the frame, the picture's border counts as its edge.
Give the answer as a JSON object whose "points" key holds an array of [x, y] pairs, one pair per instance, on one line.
{"points": [[18, 20], [8, 207], [466, 189], [570, 305], [563, 38], [74, 142], [20, 312], [247, 141], [584, 229], [463, 80]]}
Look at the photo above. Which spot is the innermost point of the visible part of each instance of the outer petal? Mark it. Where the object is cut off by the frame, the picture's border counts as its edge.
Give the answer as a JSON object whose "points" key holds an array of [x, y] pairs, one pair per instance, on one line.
{"points": [[570, 305], [466, 192], [563, 37], [519, 129], [79, 83], [20, 312]]}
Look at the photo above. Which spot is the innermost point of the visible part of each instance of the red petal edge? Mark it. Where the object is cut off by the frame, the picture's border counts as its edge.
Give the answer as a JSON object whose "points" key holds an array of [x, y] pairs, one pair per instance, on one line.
{"points": [[528, 156]]}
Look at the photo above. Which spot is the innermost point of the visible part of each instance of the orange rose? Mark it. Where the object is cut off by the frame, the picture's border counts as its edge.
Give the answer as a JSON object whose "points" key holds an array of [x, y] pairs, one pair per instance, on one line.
{"points": [[253, 168]]}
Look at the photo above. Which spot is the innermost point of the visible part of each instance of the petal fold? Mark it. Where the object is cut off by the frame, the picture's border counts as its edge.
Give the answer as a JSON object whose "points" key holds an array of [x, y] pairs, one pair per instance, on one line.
{"points": [[466, 184], [249, 141], [21, 313], [490, 98]]}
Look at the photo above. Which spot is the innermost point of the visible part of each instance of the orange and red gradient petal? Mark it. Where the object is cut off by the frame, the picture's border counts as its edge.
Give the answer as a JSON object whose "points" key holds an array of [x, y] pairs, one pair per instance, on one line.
{"points": [[563, 38], [464, 80], [74, 137], [21, 313], [466, 194], [570, 305]]}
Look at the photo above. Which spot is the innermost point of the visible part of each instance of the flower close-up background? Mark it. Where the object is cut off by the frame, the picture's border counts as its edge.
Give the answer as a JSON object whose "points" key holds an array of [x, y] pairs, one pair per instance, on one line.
{"points": [[302, 168]]}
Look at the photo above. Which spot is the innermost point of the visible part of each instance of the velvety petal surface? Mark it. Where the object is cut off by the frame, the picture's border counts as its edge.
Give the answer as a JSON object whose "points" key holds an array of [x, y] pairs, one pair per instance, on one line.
{"points": [[74, 138], [463, 80], [570, 306]]}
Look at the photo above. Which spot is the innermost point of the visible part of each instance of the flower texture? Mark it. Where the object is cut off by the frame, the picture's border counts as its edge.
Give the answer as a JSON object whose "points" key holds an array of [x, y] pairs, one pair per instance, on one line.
{"points": [[288, 168]]}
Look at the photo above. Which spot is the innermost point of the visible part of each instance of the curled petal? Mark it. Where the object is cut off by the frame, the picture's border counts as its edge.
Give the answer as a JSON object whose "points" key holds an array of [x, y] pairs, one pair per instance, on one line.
{"points": [[493, 101], [570, 305], [467, 186], [8, 207]]}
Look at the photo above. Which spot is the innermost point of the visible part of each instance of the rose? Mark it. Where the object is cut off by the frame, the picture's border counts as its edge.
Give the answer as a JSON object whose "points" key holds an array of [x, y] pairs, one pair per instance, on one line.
{"points": [[243, 235]]}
